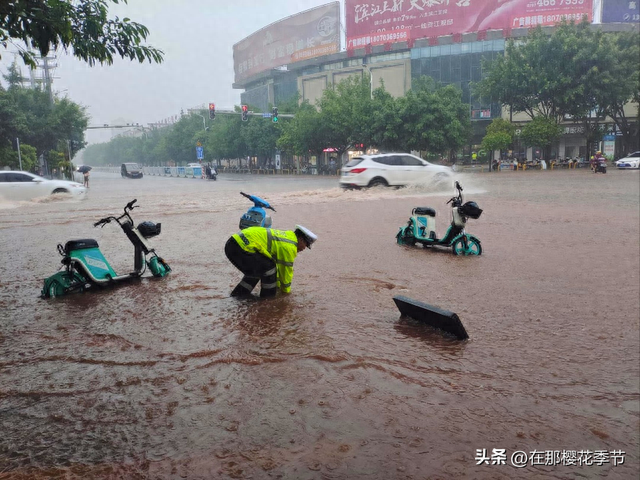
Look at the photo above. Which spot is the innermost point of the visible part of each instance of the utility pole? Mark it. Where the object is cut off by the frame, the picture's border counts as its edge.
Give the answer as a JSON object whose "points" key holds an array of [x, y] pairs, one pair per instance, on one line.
{"points": [[47, 79], [19, 155]]}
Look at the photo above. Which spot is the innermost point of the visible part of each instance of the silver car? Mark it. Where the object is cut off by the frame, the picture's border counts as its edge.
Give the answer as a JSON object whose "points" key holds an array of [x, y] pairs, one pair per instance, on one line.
{"points": [[391, 169], [18, 185]]}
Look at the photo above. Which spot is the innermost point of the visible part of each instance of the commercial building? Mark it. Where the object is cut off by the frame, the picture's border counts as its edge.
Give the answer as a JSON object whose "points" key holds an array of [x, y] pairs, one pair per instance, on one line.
{"points": [[398, 41]]}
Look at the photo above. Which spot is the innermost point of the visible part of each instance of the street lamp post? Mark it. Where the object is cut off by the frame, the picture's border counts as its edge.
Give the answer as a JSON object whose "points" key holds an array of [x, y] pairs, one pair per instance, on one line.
{"points": [[204, 123], [368, 68]]}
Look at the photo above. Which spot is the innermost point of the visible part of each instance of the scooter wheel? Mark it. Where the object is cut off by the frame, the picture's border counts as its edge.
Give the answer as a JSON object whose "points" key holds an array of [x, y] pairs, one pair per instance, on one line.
{"points": [[473, 247], [55, 290]]}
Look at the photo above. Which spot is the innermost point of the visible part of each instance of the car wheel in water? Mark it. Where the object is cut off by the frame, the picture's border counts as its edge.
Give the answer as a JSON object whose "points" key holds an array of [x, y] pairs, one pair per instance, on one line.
{"points": [[378, 182], [473, 247], [59, 190], [441, 177]]}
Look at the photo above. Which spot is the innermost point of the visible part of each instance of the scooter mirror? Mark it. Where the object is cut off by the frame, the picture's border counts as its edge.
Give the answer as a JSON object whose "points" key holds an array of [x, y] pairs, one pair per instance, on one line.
{"points": [[458, 186]]}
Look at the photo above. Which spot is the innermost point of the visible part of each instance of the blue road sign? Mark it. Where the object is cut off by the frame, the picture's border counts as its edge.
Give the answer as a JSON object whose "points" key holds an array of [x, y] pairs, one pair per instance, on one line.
{"points": [[199, 153], [266, 115]]}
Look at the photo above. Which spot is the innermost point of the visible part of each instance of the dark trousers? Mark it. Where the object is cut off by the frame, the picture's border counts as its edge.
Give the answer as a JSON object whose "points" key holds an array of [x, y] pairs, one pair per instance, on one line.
{"points": [[255, 267]]}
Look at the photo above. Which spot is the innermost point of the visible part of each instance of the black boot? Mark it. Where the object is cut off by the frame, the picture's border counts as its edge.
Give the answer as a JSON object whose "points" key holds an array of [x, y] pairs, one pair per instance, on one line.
{"points": [[245, 287]]}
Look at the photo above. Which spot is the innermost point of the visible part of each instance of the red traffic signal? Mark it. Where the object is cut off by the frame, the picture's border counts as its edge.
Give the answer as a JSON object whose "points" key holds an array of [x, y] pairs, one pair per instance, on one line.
{"points": [[212, 111], [245, 112]]}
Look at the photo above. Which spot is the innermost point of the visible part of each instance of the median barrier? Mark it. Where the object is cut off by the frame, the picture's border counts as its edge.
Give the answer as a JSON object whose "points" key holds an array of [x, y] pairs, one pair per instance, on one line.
{"points": [[184, 172]]}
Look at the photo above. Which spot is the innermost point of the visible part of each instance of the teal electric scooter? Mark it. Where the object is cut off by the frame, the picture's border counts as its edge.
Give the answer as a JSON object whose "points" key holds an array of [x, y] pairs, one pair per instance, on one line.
{"points": [[421, 227], [85, 265]]}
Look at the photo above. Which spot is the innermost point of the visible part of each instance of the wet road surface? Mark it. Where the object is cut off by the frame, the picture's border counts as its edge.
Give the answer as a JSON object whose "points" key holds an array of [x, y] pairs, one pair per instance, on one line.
{"points": [[171, 378]]}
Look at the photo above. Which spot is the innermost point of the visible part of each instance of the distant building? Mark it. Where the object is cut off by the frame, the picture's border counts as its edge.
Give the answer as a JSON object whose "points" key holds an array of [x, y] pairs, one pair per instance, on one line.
{"points": [[453, 42]]}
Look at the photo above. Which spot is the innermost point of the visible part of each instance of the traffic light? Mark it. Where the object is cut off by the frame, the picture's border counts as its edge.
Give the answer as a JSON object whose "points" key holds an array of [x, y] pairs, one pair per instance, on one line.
{"points": [[245, 113], [212, 111], [274, 115]]}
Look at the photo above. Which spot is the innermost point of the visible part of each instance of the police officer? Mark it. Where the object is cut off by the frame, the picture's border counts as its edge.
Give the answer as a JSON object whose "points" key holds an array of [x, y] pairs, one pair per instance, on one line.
{"points": [[266, 255]]}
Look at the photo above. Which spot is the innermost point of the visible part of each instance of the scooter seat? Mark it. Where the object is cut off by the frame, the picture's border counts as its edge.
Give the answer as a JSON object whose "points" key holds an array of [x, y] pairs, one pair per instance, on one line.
{"points": [[428, 211], [80, 244]]}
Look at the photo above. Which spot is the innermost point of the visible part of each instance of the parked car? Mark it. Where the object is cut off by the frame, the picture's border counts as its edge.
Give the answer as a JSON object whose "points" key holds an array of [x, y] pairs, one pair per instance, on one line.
{"points": [[630, 161], [130, 170], [391, 169], [17, 185]]}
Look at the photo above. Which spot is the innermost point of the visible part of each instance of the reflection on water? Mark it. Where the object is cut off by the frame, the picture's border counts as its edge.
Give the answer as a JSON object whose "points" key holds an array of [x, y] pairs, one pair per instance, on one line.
{"points": [[168, 378]]}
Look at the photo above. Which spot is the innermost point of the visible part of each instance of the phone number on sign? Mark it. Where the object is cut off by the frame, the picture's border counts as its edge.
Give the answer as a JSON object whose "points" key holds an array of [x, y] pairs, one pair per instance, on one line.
{"points": [[521, 459]]}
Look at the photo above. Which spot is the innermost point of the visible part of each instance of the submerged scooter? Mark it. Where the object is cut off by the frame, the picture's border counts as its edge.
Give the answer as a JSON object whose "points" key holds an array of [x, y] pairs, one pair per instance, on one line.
{"points": [[85, 265], [256, 215], [421, 227]]}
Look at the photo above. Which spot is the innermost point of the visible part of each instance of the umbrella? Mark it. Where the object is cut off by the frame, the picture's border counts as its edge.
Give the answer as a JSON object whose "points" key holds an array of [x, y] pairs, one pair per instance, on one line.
{"points": [[84, 168]]}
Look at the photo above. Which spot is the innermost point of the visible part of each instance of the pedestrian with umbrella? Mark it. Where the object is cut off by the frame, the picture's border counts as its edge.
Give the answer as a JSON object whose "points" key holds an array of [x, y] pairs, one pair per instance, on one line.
{"points": [[84, 169]]}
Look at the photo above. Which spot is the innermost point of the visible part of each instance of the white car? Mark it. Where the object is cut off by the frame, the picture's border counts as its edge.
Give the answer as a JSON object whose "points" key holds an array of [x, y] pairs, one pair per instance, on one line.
{"points": [[630, 161], [391, 169], [17, 185]]}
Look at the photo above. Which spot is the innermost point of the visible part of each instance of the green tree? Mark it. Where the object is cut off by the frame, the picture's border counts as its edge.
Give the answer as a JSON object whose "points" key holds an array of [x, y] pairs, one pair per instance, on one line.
{"points": [[542, 132], [577, 71], [223, 141], [9, 157], [82, 26], [260, 136], [386, 123], [537, 75], [620, 84], [345, 112], [30, 115], [179, 142], [435, 118], [499, 136], [301, 134]]}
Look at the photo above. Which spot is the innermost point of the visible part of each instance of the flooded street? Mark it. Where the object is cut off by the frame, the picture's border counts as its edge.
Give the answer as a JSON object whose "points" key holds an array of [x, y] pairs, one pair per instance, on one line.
{"points": [[172, 378]]}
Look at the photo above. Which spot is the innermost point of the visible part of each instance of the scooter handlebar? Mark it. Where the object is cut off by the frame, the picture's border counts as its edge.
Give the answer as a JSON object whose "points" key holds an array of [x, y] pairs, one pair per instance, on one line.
{"points": [[102, 222], [130, 204]]}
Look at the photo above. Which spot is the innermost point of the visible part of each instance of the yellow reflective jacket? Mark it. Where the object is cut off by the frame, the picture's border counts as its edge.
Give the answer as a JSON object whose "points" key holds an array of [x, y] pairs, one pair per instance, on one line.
{"points": [[279, 245]]}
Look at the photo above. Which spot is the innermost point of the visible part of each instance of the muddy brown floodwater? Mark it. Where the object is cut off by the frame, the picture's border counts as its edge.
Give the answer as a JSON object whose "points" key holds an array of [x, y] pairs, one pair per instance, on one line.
{"points": [[171, 378]]}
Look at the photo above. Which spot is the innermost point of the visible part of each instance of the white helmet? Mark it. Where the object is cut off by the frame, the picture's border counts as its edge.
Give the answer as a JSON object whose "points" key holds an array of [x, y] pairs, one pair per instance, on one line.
{"points": [[308, 235]]}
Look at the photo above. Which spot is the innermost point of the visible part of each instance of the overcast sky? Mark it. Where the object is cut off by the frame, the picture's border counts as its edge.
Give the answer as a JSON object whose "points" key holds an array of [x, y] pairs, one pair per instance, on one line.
{"points": [[197, 38]]}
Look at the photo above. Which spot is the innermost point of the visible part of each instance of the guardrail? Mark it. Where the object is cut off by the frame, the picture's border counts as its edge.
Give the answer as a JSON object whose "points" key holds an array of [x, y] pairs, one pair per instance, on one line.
{"points": [[186, 172], [196, 172]]}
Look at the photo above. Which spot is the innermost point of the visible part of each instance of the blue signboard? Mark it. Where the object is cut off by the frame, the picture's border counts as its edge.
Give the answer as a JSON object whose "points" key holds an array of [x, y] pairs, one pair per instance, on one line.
{"points": [[199, 153], [621, 11]]}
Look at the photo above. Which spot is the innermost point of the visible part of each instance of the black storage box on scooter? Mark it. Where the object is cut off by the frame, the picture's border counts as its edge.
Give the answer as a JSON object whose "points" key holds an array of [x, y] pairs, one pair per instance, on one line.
{"points": [[149, 229], [471, 210]]}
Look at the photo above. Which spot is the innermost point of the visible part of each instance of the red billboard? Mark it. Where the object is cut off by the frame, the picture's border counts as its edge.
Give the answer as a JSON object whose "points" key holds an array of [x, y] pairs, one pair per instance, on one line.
{"points": [[309, 34], [368, 20]]}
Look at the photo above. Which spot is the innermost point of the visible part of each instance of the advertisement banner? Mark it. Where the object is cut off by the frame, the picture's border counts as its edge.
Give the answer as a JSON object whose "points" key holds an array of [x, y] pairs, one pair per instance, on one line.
{"points": [[433, 18], [620, 11], [309, 34]]}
